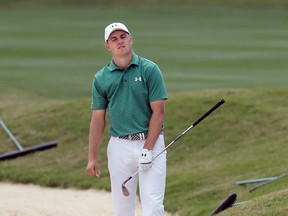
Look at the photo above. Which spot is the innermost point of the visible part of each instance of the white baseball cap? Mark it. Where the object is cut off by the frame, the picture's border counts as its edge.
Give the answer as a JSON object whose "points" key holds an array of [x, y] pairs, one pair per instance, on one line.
{"points": [[113, 27]]}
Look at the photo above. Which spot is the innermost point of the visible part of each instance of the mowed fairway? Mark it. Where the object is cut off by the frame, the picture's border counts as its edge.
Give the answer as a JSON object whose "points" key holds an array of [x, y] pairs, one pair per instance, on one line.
{"points": [[47, 61], [55, 52]]}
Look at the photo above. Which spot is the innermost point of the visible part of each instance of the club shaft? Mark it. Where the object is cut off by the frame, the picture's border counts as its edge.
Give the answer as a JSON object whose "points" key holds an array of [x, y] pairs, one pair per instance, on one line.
{"points": [[184, 132], [193, 125]]}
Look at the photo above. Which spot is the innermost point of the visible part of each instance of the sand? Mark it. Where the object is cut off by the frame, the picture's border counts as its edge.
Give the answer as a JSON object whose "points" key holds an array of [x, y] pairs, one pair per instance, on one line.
{"points": [[32, 200]]}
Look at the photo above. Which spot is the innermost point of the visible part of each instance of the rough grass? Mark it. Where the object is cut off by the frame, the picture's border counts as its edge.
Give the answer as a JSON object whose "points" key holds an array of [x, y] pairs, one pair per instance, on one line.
{"points": [[245, 139], [273, 204]]}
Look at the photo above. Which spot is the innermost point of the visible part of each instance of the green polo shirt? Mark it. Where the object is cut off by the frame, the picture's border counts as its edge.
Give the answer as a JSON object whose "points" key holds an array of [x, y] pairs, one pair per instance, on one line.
{"points": [[127, 94]]}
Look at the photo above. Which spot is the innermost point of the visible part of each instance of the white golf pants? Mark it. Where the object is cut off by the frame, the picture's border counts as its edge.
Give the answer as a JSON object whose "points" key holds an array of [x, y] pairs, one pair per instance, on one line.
{"points": [[122, 162]]}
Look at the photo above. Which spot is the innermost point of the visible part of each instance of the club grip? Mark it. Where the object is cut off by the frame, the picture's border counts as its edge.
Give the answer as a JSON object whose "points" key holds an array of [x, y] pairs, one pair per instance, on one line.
{"points": [[209, 112]]}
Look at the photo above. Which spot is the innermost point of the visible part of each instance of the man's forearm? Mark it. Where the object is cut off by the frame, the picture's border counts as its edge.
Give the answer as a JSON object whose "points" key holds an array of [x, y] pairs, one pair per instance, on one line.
{"points": [[155, 127], [97, 126]]}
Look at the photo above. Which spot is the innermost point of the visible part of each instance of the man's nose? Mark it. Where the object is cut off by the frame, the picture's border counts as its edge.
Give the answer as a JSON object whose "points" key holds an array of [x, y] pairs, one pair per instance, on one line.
{"points": [[120, 41]]}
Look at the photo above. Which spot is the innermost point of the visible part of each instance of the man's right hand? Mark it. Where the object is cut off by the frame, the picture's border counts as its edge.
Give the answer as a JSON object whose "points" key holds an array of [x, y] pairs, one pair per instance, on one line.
{"points": [[93, 169]]}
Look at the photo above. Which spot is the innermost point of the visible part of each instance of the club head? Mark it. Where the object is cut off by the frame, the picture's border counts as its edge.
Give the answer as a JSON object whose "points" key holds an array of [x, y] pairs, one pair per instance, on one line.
{"points": [[124, 190]]}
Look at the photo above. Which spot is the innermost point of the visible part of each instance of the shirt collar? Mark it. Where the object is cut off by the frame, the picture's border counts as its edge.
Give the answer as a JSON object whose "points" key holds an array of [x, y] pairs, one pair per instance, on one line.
{"points": [[134, 61]]}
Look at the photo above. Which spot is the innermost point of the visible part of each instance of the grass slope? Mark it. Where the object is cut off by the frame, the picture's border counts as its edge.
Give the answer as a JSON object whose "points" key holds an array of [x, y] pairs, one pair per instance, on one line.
{"points": [[271, 204], [246, 138]]}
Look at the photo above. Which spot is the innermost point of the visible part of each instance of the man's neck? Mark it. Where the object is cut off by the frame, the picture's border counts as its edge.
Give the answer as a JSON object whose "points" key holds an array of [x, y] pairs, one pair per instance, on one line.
{"points": [[123, 61]]}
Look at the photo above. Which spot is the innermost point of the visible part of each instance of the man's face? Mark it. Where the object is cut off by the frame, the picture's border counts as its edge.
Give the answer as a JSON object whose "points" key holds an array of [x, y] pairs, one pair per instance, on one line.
{"points": [[119, 43]]}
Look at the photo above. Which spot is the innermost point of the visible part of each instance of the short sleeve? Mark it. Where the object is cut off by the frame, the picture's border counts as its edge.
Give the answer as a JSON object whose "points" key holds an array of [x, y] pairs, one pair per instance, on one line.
{"points": [[99, 99], [156, 85]]}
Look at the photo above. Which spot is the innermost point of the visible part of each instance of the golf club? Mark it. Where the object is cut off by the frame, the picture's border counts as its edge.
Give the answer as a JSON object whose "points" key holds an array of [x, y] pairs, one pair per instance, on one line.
{"points": [[219, 103]]}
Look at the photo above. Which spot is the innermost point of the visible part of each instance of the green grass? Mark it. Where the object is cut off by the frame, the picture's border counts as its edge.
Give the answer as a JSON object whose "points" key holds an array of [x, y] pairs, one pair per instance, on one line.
{"points": [[245, 139], [87, 3], [49, 56], [270, 204], [196, 47]]}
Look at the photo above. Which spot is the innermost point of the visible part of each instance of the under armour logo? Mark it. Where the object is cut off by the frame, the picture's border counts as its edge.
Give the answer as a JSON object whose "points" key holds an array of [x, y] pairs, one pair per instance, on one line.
{"points": [[138, 79]]}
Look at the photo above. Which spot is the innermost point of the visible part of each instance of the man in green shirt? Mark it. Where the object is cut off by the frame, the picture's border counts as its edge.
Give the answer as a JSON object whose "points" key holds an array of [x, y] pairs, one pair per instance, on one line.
{"points": [[132, 90]]}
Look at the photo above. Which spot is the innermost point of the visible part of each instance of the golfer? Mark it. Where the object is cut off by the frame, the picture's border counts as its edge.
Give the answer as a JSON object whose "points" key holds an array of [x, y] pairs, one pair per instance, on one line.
{"points": [[132, 90]]}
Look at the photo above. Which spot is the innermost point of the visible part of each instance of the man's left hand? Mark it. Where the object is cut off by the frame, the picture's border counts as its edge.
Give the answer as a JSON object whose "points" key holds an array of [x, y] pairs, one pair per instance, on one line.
{"points": [[145, 160]]}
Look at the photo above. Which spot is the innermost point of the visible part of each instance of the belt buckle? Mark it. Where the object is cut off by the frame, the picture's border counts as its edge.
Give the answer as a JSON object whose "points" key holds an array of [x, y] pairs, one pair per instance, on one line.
{"points": [[129, 137]]}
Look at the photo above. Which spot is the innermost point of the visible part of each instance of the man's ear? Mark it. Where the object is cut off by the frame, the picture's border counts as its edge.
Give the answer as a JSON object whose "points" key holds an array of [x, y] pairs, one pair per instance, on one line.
{"points": [[107, 46]]}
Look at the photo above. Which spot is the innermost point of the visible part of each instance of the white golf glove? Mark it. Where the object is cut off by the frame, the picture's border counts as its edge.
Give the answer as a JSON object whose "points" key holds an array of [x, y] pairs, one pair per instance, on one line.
{"points": [[145, 160]]}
